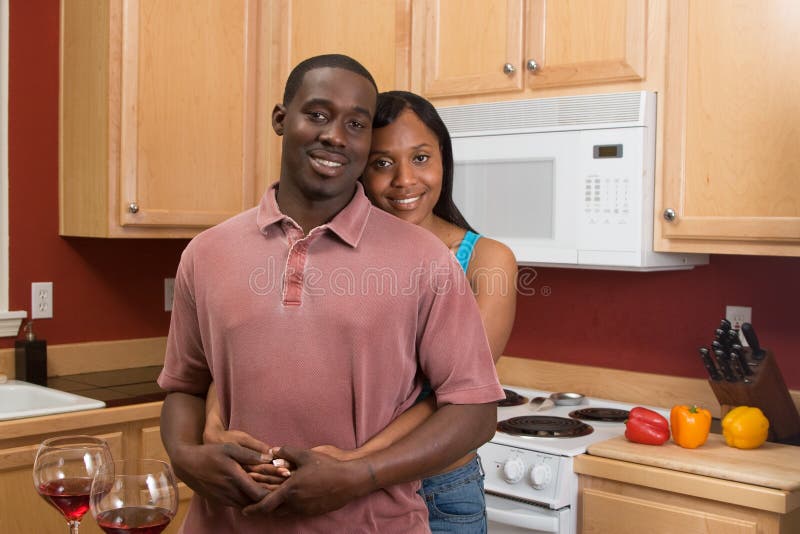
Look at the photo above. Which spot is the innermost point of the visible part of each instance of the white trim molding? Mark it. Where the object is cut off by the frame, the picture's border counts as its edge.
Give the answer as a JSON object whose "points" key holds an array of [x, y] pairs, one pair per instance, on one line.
{"points": [[9, 320]]}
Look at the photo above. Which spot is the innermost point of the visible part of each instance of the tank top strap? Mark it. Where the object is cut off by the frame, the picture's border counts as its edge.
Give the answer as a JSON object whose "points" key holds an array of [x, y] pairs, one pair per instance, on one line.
{"points": [[464, 252]]}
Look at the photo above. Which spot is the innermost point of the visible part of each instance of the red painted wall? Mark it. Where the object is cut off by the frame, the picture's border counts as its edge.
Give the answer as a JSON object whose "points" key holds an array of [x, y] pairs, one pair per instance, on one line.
{"points": [[654, 322], [112, 289]]}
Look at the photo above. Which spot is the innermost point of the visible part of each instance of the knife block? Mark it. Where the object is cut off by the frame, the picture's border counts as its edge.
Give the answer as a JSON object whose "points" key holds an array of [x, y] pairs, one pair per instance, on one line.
{"points": [[768, 392]]}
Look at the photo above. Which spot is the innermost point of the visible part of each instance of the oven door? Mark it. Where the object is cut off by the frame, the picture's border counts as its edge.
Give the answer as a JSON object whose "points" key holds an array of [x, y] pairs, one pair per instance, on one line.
{"points": [[507, 516]]}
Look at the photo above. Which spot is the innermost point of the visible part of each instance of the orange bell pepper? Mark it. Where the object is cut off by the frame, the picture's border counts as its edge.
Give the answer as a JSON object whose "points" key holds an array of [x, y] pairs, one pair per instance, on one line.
{"points": [[690, 425]]}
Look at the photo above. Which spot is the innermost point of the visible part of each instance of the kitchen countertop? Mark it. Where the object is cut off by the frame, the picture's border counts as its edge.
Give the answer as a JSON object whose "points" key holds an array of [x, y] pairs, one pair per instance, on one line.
{"points": [[767, 478], [120, 387]]}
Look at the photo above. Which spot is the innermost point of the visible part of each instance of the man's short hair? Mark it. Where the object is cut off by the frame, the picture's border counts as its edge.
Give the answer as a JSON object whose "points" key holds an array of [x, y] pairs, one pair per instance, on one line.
{"points": [[338, 61]]}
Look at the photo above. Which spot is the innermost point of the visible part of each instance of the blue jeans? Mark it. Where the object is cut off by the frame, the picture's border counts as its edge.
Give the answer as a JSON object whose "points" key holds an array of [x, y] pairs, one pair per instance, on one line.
{"points": [[455, 500]]}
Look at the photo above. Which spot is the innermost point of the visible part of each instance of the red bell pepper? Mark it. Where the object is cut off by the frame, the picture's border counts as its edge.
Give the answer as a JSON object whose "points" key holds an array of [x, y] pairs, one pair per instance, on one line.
{"points": [[646, 426]]}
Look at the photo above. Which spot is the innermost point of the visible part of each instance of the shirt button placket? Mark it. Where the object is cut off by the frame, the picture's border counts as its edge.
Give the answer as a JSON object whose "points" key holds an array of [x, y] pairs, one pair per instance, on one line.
{"points": [[295, 268]]}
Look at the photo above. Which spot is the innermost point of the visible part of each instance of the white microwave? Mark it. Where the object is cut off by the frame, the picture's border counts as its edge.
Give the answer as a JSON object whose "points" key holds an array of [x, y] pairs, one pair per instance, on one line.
{"points": [[565, 181]]}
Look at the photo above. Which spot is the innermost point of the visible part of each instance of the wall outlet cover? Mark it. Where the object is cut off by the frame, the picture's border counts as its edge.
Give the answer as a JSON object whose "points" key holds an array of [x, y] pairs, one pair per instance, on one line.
{"points": [[42, 300]]}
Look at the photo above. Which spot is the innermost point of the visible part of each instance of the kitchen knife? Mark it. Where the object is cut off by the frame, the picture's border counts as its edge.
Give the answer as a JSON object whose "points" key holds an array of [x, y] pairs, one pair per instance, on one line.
{"points": [[739, 368], [752, 340], [738, 349], [713, 373], [725, 366], [733, 337]]}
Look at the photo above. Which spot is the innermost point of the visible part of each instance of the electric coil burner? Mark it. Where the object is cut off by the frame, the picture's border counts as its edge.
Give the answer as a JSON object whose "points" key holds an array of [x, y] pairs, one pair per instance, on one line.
{"points": [[610, 415], [512, 399], [544, 426]]}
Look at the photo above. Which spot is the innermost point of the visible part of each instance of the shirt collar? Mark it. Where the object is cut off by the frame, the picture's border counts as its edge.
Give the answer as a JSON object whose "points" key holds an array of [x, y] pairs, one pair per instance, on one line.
{"points": [[348, 224]]}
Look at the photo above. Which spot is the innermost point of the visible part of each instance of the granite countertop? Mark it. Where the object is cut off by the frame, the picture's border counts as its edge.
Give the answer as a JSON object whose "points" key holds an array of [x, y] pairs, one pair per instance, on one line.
{"points": [[116, 388]]}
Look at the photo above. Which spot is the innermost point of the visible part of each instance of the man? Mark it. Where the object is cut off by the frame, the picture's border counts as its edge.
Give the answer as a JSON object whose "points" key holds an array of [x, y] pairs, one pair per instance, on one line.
{"points": [[281, 305]]}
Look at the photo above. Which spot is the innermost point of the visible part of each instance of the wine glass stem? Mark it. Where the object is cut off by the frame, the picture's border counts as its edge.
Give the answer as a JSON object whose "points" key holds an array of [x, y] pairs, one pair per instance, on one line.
{"points": [[73, 527]]}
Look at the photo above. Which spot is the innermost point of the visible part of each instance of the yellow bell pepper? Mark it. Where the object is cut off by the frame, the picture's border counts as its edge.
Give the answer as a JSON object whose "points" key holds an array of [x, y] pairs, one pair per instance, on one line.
{"points": [[690, 425], [745, 427]]}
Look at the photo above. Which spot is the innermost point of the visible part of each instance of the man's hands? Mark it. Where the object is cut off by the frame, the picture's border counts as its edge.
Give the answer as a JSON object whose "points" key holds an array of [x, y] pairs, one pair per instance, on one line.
{"points": [[217, 472], [320, 484]]}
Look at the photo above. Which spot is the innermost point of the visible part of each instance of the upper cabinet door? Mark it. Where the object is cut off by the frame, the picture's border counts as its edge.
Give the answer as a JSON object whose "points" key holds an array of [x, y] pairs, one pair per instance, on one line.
{"points": [[374, 32], [159, 115], [575, 42], [731, 166], [188, 111], [464, 47]]}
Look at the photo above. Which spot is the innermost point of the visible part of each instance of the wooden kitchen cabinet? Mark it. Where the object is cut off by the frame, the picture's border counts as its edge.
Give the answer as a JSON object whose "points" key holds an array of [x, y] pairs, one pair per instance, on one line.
{"points": [[731, 173], [467, 47], [162, 115], [624, 498]]}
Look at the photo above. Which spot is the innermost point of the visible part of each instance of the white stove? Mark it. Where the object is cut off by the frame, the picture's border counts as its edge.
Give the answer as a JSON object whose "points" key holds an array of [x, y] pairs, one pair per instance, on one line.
{"points": [[530, 485]]}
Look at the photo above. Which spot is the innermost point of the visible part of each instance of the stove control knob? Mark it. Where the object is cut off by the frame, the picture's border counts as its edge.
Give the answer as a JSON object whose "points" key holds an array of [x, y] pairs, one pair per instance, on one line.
{"points": [[541, 475], [513, 470]]}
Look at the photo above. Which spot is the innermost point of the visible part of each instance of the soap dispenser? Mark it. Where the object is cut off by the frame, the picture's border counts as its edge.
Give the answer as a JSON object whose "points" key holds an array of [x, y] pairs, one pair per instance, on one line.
{"points": [[31, 357]]}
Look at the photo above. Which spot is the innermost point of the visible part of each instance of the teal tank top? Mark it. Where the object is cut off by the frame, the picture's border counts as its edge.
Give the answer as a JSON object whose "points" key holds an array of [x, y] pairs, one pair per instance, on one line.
{"points": [[464, 252]]}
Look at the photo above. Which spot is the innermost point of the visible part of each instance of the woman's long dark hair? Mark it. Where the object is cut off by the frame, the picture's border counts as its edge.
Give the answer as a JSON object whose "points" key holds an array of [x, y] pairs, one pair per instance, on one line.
{"points": [[390, 105]]}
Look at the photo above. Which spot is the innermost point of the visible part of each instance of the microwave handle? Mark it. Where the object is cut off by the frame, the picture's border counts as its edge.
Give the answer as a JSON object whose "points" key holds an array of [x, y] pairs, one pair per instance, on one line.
{"points": [[523, 519]]}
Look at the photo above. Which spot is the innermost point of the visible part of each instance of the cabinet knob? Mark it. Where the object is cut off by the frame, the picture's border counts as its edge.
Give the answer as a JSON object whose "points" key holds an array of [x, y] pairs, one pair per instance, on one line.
{"points": [[509, 69], [133, 207], [670, 215], [532, 65]]}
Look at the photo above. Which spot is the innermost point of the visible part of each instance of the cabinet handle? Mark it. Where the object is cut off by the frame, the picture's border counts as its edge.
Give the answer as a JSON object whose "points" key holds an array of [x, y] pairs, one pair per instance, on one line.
{"points": [[532, 65], [509, 69], [133, 207], [670, 215]]}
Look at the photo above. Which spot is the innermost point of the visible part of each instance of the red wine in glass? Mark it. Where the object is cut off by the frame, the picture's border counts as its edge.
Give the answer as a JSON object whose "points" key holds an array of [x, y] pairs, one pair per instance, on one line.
{"points": [[138, 496], [63, 472], [134, 520], [69, 495]]}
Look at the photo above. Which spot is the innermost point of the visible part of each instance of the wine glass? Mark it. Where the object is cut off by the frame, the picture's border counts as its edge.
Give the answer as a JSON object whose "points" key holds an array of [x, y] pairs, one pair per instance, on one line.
{"points": [[138, 496], [63, 473]]}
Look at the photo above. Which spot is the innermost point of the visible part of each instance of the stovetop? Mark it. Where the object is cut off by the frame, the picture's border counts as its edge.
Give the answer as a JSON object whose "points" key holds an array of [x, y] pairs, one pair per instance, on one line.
{"points": [[563, 446]]}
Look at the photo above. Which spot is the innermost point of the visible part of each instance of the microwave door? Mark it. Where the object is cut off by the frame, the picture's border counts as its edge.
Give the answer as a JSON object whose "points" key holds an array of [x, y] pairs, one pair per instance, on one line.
{"points": [[517, 189]]}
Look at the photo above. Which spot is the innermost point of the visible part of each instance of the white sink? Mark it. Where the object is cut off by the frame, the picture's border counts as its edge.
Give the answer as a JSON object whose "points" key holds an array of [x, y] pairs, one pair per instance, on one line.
{"points": [[22, 399]]}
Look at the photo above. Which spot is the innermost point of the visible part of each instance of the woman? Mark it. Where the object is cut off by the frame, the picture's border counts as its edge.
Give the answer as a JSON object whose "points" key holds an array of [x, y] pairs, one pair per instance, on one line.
{"points": [[410, 175]]}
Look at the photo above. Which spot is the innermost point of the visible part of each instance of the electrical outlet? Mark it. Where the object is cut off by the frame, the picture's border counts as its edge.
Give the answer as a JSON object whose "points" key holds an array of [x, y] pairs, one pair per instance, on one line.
{"points": [[42, 300], [738, 315], [169, 292]]}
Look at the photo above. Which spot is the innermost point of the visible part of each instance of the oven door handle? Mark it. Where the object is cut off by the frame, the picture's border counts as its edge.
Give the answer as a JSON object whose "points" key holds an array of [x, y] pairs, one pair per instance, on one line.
{"points": [[523, 519]]}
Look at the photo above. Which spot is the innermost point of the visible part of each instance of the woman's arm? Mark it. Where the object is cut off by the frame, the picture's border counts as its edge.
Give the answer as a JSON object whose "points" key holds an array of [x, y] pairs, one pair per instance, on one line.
{"points": [[215, 432], [492, 274]]}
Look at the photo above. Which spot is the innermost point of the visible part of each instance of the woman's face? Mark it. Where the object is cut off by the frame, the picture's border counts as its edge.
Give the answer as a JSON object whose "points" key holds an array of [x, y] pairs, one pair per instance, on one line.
{"points": [[404, 170]]}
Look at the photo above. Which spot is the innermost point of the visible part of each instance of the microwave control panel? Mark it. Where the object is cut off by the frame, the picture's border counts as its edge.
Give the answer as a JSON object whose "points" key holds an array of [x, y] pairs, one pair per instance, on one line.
{"points": [[606, 201]]}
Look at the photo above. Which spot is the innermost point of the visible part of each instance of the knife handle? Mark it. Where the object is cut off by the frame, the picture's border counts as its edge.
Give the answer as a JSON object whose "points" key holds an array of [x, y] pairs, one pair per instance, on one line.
{"points": [[724, 366], [752, 340], [713, 373], [740, 367]]}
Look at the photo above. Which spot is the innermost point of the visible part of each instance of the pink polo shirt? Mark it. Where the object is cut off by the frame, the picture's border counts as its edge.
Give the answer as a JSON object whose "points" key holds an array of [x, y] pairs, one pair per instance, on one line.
{"points": [[323, 339]]}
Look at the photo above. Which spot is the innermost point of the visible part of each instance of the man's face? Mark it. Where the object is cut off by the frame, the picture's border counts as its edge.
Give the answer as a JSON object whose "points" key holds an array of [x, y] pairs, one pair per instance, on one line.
{"points": [[327, 131]]}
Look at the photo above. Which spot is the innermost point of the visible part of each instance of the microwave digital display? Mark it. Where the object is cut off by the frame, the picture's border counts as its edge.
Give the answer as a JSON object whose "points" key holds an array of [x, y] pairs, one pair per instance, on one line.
{"points": [[607, 151]]}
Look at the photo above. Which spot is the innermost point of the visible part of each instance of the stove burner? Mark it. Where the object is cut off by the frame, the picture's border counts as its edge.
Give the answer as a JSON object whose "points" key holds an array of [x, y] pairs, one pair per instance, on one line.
{"points": [[512, 399], [544, 426], [610, 415]]}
